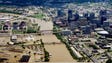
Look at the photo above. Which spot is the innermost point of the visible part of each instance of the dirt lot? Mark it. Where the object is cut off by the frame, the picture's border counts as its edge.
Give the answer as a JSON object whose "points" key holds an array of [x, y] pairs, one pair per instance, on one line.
{"points": [[4, 40]]}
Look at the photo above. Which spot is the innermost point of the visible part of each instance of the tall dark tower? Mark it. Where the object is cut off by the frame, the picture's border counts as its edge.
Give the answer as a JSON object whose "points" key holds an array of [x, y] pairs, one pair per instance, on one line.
{"points": [[103, 12], [76, 16], [70, 14], [59, 13], [91, 16], [85, 15], [103, 16], [102, 19]]}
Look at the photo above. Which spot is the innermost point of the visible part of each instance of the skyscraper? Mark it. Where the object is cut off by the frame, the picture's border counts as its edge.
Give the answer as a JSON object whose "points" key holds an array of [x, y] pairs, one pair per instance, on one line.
{"points": [[70, 14]]}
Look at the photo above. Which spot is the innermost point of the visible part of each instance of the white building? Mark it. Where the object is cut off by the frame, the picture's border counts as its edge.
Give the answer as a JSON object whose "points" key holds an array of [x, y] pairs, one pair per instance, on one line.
{"points": [[76, 53]]}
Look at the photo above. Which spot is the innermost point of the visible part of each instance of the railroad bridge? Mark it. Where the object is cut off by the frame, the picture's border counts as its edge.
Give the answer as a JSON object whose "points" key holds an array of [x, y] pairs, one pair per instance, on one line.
{"points": [[45, 32]]}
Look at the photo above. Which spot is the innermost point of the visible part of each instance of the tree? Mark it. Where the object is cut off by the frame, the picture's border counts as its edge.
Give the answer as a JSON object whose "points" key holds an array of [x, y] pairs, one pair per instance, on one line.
{"points": [[42, 43], [109, 61], [34, 54], [34, 42], [23, 46], [15, 56], [31, 30], [46, 56], [29, 52]]}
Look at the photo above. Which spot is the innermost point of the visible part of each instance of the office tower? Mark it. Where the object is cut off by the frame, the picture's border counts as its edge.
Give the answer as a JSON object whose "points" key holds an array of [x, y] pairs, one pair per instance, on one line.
{"points": [[85, 15], [92, 16], [102, 19], [102, 12], [106, 24], [76, 16], [70, 14], [86, 29], [59, 13]]}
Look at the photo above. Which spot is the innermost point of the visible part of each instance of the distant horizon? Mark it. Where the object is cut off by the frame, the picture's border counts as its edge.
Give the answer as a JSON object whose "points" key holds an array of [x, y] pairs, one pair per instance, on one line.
{"points": [[42, 2]]}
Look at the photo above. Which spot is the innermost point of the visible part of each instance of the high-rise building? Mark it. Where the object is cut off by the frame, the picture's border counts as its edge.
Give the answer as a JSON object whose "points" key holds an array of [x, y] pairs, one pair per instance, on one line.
{"points": [[70, 14], [102, 19], [92, 16], [76, 16], [102, 12], [86, 29], [85, 15], [106, 24], [59, 13], [93, 26]]}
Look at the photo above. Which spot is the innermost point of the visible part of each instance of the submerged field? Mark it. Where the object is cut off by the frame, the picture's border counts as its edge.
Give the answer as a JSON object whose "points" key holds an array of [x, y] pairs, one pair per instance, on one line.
{"points": [[59, 53]]}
